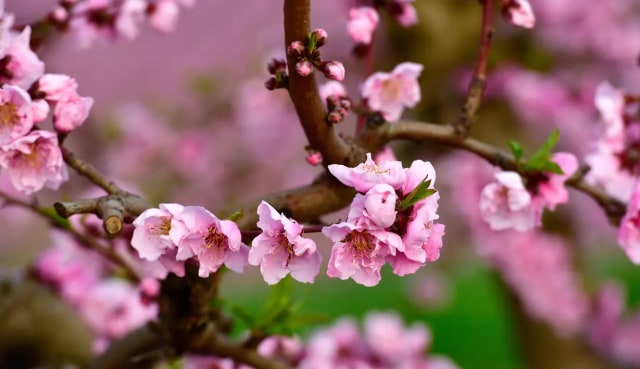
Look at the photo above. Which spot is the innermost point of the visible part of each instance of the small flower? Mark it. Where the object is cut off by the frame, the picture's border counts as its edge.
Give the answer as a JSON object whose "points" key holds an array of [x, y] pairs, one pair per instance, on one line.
{"points": [[164, 16], [71, 112], [390, 93], [362, 23], [151, 234], [406, 15], [320, 35], [314, 158], [333, 70], [553, 191], [507, 203], [380, 205], [16, 114], [213, 242], [295, 49], [629, 231], [519, 13], [34, 161], [280, 249]]}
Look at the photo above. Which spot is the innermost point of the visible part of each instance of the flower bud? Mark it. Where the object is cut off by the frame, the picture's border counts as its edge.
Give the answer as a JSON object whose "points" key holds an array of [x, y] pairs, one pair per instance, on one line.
{"points": [[276, 65], [314, 158], [320, 35], [333, 70], [334, 117], [271, 84], [304, 67], [296, 49]]}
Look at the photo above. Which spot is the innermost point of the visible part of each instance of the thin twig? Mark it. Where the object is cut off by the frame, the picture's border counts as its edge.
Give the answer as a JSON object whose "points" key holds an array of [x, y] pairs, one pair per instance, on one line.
{"points": [[88, 171], [469, 112]]}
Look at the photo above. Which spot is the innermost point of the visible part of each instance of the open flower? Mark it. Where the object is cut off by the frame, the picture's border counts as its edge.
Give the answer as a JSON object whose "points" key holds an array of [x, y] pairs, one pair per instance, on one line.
{"points": [[390, 93], [507, 203], [280, 249], [16, 117]]}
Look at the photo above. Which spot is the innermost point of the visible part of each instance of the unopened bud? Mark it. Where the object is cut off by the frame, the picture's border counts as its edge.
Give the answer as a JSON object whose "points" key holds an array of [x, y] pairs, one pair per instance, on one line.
{"points": [[345, 103], [304, 67], [320, 35], [333, 70], [295, 49], [334, 117], [276, 65], [314, 158], [271, 83]]}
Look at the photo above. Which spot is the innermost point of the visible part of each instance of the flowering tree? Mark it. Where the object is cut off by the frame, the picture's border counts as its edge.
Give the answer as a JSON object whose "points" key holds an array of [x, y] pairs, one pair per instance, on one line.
{"points": [[141, 269]]}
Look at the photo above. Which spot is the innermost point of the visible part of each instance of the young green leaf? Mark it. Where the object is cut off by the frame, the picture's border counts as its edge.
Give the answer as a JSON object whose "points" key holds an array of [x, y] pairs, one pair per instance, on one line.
{"points": [[516, 149], [422, 191], [543, 154]]}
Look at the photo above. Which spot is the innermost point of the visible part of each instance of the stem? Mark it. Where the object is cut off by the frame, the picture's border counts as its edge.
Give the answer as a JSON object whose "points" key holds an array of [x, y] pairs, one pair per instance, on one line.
{"points": [[478, 82], [88, 171]]}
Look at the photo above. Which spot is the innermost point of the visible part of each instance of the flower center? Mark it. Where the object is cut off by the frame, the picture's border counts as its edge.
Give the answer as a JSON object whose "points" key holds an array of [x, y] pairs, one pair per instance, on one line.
{"points": [[162, 228], [360, 242], [214, 238], [283, 241], [375, 169], [8, 114], [391, 90]]}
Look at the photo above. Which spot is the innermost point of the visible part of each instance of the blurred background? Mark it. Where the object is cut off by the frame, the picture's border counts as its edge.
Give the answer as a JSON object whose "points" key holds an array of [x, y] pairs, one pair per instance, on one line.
{"points": [[184, 117]]}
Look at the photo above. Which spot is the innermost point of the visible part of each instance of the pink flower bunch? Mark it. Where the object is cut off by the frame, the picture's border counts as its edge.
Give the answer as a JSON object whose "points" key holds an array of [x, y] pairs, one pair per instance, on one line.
{"points": [[390, 93], [519, 13], [280, 249], [92, 20], [510, 203], [614, 161], [109, 306], [174, 234], [384, 224], [385, 343]]}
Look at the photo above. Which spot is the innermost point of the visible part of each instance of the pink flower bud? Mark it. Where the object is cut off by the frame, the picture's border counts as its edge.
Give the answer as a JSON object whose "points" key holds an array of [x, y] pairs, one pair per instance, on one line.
{"points": [[304, 67], [321, 36], [314, 158], [334, 117], [519, 13], [333, 70], [295, 49]]}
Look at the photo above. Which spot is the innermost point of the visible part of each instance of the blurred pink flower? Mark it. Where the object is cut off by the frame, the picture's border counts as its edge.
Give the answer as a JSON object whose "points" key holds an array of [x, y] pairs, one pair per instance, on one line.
{"points": [[362, 24], [390, 93], [629, 231], [519, 13], [16, 114], [506, 203]]}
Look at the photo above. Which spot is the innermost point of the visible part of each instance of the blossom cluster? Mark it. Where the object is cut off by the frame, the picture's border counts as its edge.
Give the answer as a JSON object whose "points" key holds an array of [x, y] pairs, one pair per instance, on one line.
{"points": [[385, 343], [28, 154], [93, 20], [391, 219], [514, 202]]}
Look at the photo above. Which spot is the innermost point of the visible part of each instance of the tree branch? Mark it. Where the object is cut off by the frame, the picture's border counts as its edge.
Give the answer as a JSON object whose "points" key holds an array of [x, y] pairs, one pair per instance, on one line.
{"points": [[304, 92]]}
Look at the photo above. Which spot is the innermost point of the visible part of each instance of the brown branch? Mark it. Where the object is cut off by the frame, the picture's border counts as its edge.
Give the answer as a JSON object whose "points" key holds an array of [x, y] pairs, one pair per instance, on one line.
{"points": [[304, 92], [420, 132], [133, 351], [88, 171], [469, 112]]}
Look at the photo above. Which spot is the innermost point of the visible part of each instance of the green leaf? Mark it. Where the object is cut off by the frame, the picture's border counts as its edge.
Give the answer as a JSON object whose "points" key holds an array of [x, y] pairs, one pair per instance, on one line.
{"points": [[543, 154], [551, 167], [312, 42], [236, 216], [516, 149], [422, 191]]}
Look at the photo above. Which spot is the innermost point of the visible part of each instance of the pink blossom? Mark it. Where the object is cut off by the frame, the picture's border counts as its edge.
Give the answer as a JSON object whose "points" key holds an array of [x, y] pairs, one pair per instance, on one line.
{"points": [[553, 192], [34, 161], [113, 308], [151, 234], [314, 158], [57, 86], [16, 116], [130, 14], [610, 103], [333, 70], [164, 16], [407, 15], [359, 252], [519, 13], [629, 231], [71, 112], [39, 110], [390, 93], [366, 175], [362, 24], [385, 154], [24, 65], [280, 249], [389, 340], [607, 172], [339, 346], [507, 204], [212, 241]]}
